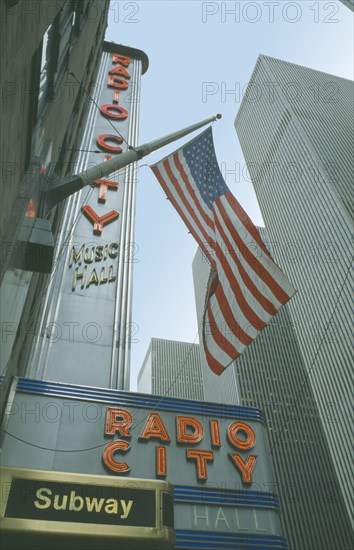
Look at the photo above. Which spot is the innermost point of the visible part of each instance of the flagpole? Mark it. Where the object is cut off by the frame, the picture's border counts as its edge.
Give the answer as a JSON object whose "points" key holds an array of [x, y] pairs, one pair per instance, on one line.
{"points": [[60, 188]]}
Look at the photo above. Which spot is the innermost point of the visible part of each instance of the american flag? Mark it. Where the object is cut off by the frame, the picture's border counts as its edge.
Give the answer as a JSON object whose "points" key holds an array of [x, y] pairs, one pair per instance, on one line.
{"points": [[246, 288]]}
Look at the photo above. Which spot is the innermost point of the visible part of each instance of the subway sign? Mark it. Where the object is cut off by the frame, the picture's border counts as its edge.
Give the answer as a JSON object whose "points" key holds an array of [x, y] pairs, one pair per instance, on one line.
{"points": [[38, 503]]}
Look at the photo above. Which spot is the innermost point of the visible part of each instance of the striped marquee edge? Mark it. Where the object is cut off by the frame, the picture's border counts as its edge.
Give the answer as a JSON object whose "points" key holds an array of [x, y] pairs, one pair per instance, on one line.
{"points": [[206, 540], [225, 497], [109, 396]]}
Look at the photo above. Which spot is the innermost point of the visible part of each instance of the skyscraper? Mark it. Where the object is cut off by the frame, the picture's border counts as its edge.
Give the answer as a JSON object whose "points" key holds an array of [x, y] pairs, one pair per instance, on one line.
{"points": [[297, 140], [270, 374], [172, 369], [349, 4], [43, 111]]}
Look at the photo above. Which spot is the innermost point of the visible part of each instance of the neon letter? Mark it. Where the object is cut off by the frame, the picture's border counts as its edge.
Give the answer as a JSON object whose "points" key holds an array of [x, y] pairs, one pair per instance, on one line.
{"points": [[201, 458], [246, 468], [108, 459], [154, 427], [114, 425], [244, 444], [102, 142], [119, 114], [186, 421]]}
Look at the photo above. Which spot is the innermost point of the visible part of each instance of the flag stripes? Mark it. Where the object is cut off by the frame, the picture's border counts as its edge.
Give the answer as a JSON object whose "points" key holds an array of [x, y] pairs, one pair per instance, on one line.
{"points": [[246, 288]]}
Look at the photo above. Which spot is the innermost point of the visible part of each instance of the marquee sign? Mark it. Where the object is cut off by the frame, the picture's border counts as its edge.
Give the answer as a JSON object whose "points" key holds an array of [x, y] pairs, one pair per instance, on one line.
{"points": [[216, 456], [75, 508], [189, 432]]}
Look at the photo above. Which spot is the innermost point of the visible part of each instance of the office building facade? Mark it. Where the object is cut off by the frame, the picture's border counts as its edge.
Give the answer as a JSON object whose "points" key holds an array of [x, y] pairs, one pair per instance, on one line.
{"points": [[66, 290], [172, 369], [297, 140], [271, 374], [349, 4], [43, 111]]}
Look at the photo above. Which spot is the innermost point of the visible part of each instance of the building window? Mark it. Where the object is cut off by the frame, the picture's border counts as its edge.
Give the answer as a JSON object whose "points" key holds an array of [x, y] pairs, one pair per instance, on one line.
{"points": [[56, 45], [65, 35], [46, 68], [80, 15]]}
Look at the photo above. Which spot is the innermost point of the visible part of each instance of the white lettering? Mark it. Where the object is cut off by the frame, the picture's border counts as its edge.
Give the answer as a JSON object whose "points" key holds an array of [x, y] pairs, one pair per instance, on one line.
{"points": [[220, 516], [46, 499], [73, 500], [239, 527], [111, 506], [56, 504], [256, 523], [126, 508], [76, 503], [94, 505], [205, 517]]}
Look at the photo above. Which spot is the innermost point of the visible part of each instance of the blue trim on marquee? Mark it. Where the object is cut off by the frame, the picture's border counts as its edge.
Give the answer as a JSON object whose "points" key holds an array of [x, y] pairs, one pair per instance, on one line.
{"points": [[203, 540], [226, 497], [209, 540], [103, 395]]}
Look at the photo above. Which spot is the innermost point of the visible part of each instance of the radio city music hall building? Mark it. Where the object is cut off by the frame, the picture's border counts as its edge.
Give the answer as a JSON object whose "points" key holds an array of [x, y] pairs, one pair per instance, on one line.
{"points": [[86, 462]]}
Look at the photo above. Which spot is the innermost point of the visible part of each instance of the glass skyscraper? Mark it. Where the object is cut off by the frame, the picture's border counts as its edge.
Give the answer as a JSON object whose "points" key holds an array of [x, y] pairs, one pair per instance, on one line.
{"points": [[172, 369], [349, 4], [295, 126], [271, 375]]}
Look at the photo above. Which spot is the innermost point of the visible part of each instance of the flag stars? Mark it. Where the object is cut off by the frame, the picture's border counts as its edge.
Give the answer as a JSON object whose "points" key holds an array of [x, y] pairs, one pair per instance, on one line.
{"points": [[203, 174], [202, 162]]}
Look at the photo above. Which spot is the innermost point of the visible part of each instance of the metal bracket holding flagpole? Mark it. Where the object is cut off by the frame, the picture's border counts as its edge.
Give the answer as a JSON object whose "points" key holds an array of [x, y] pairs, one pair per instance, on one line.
{"points": [[59, 189]]}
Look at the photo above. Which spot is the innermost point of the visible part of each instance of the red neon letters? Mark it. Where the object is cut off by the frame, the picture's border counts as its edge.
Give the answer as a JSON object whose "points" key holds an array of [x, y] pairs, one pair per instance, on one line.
{"points": [[113, 111], [99, 221], [189, 431], [118, 77]]}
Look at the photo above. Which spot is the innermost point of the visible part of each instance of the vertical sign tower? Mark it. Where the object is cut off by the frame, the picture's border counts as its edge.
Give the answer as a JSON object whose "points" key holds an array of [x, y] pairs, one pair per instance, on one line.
{"points": [[85, 327]]}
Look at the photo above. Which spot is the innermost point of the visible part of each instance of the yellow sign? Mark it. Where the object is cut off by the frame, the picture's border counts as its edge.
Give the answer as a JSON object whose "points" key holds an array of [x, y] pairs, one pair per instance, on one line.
{"points": [[43, 509]]}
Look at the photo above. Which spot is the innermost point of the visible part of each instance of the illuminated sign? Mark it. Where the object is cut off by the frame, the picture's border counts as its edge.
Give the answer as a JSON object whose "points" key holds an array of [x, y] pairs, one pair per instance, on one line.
{"points": [[216, 456], [92, 254], [99, 217], [189, 431], [74, 505], [110, 142]]}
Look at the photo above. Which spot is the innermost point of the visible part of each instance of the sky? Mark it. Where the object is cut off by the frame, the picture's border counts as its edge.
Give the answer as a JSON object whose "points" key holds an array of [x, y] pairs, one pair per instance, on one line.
{"points": [[201, 57]]}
